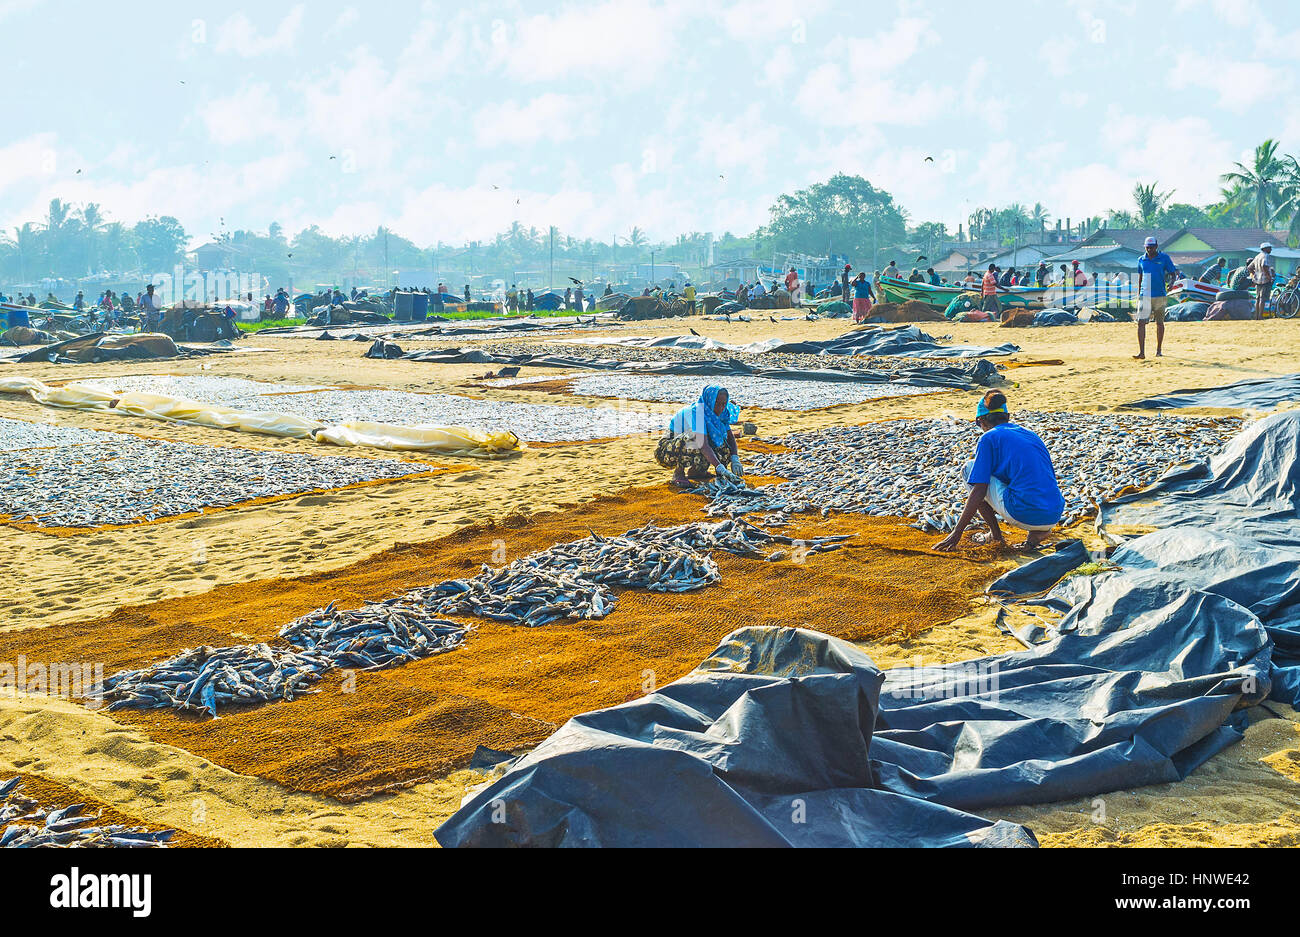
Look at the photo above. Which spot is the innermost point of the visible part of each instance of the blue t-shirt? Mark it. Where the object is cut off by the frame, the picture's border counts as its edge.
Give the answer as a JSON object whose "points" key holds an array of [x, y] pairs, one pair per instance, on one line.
{"points": [[1017, 458], [1153, 271], [861, 289]]}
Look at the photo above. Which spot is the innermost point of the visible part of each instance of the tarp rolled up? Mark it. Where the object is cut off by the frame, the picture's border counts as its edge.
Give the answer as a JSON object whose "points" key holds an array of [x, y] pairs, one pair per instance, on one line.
{"points": [[445, 440]]}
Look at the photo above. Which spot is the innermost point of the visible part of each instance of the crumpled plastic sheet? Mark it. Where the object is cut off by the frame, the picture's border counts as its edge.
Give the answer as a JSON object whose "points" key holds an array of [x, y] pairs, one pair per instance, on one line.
{"points": [[1262, 393], [780, 719], [1230, 529], [982, 373]]}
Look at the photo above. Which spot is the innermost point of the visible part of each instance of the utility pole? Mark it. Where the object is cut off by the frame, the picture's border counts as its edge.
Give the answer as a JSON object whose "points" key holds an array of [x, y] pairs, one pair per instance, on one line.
{"points": [[875, 243], [552, 283], [652, 268], [387, 266]]}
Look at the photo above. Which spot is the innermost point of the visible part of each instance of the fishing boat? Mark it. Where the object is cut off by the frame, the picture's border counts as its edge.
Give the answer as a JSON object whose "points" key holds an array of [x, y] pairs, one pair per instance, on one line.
{"points": [[939, 297]]}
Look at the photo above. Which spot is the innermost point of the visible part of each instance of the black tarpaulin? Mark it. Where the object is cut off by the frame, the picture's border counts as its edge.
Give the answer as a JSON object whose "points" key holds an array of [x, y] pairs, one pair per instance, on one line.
{"points": [[1262, 393], [765, 744], [905, 341], [981, 373], [1142, 694]]}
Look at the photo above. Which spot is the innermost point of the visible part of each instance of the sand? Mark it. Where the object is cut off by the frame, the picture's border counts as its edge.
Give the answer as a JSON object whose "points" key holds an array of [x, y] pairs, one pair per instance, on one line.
{"points": [[1250, 793]]}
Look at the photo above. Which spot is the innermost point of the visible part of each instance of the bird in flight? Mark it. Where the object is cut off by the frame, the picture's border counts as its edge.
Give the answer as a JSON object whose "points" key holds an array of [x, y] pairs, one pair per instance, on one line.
{"points": [[929, 159]]}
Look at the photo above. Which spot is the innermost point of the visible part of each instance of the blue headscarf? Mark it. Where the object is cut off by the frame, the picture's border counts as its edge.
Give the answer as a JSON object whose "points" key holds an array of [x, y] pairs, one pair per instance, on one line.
{"points": [[715, 425]]}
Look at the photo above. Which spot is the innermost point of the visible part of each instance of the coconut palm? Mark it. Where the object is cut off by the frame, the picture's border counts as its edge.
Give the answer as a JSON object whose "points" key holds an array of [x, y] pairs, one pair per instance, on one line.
{"points": [[1258, 185], [1288, 209], [637, 238], [1149, 202]]}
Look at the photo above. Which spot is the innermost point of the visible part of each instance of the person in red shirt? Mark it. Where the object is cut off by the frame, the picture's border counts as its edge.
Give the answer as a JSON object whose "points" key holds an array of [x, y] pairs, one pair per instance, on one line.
{"points": [[990, 292], [791, 279], [1080, 278]]}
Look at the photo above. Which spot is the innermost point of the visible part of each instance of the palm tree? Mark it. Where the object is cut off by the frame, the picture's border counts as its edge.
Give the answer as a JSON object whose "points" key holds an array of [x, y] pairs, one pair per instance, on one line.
{"points": [[1149, 202], [1288, 198], [1259, 184], [1039, 216], [636, 238]]}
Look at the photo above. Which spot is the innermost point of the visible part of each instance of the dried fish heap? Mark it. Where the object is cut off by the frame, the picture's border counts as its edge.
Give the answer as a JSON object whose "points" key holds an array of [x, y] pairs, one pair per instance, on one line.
{"points": [[24, 823], [202, 680], [529, 421], [570, 580], [573, 580], [912, 468], [86, 478], [773, 393]]}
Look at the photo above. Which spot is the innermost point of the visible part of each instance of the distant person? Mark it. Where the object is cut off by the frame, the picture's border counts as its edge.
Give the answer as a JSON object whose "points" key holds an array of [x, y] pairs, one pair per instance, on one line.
{"points": [[1214, 272], [151, 308], [915, 276], [791, 280], [1080, 278], [80, 302], [609, 289], [1008, 275], [971, 281], [529, 299], [1041, 274], [989, 292], [1011, 475], [281, 303], [844, 283], [1152, 267], [893, 271], [862, 297], [689, 295], [512, 298], [933, 277], [1263, 268], [568, 297], [577, 298], [466, 294]]}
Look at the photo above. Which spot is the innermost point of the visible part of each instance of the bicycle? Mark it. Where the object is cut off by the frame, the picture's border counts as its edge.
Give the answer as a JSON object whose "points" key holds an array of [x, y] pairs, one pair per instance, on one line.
{"points": [[1287, 302]]}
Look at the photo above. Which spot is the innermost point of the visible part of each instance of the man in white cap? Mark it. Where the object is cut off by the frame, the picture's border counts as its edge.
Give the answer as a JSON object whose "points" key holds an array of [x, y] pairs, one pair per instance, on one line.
{"points": [[1152, 267], [1262, 270]]}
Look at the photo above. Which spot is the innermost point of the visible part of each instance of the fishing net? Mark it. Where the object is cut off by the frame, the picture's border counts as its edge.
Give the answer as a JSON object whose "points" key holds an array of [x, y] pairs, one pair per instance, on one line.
{"points": [[509, 687]]}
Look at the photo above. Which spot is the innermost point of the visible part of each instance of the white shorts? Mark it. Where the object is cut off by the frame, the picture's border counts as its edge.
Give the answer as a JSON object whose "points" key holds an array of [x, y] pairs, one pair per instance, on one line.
{"points": [[997, 499]]}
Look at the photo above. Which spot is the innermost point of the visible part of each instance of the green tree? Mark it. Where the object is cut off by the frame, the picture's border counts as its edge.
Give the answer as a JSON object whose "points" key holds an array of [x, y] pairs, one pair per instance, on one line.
{"points": [[1258, 185], [160, 242], [844, 215], [1182, 215], [1149, 202]]}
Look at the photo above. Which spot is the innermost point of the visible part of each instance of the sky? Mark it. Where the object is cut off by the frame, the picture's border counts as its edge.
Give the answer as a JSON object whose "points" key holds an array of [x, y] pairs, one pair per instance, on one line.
{"points": [[448, 121]]}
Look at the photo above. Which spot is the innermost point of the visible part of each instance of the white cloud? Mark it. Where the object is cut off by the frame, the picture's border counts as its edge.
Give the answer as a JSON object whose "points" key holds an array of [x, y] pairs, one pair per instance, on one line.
{"points": [[1238, 84], [239, 36], [249, 114], [548, 116]]}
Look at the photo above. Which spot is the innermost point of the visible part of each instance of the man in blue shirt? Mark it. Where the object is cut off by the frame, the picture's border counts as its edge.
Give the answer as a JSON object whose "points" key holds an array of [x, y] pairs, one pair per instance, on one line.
{"points": [[1011, 475], [1152, 267]]}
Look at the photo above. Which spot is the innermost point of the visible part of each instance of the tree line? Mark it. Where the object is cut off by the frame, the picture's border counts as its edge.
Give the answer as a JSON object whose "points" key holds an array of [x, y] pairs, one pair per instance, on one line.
{"points": [[846, 215]]}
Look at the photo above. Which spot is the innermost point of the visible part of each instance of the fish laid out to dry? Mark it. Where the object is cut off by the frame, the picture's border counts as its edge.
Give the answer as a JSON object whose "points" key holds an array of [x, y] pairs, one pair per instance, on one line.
{"points": [[569, 580], [912, 468], [24, 823], [86, 478]]}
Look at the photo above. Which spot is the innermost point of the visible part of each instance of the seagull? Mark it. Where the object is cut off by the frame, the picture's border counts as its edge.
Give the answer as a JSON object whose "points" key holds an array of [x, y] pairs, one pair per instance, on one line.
{"points": [[333, 157], [929, 159], [496, 186], [78, 172]]}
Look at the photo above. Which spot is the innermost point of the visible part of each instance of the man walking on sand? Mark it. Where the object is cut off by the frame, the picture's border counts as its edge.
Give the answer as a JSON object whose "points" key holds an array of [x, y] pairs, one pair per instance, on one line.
{"points": [[1152, 267], [1262, 270], [990, 292]]}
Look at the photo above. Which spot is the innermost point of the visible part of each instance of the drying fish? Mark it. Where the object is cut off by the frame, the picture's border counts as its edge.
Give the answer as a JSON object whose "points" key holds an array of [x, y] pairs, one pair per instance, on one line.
{"points": [[86, 478], [24, 823], [912, 468]]}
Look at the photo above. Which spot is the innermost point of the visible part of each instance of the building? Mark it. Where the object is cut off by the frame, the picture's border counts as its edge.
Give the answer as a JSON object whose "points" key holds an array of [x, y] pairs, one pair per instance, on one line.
{"points": [[1116, 250]]}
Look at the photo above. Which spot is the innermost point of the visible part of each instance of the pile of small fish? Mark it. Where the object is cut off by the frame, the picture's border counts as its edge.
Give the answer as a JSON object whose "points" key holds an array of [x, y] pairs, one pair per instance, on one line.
{"points": [[24, 823], [773, 393], [110, 478], [205, 679], [912, 468], [569, 580], [377, 635], [18, 434], [573, 580], [529, 421]]}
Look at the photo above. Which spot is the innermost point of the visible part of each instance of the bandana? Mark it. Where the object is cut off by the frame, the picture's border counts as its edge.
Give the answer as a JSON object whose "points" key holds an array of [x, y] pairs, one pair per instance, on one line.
{"points": [[981, 410]]}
